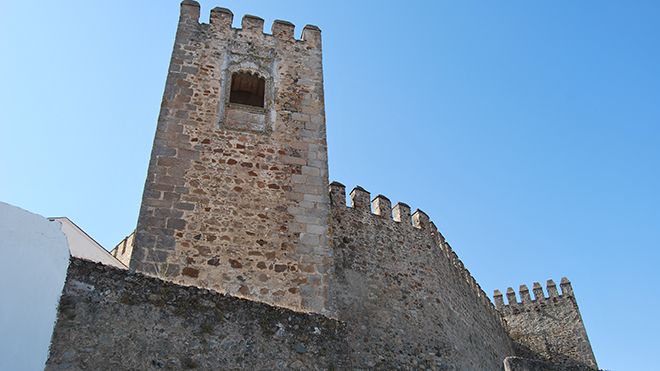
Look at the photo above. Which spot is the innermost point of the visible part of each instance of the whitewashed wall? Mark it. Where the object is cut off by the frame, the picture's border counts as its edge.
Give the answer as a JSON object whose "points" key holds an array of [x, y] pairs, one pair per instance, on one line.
{"points": [[35, 257]]}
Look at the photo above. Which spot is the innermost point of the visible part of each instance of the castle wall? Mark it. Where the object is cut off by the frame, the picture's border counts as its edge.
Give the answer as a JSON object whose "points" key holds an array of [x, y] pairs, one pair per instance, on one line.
{"points": [[113, 319], [124, 249], [236, 197], [548, 327], [236, 201], [405, 295], [404, 300]]}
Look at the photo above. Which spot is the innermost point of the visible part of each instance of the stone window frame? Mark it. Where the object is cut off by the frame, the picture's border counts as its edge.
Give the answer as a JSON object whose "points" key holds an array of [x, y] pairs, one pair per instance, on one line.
{"points": [[269, 94]]}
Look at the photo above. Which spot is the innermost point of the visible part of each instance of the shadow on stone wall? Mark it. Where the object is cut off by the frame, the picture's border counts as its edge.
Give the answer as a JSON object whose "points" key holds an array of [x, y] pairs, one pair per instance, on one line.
{"points": [[110, 318], [114, 319]]}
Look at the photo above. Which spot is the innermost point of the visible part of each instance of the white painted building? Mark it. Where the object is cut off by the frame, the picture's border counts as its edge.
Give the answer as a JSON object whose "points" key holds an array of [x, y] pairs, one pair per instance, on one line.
{"points": [[81, 245], [36, 257], [36, 254]]}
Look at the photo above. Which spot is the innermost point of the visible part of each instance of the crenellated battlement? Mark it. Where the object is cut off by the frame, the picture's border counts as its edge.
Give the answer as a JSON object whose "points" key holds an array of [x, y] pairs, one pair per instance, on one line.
{"points": [[381, 206], [400, 215], [548, 325], [539, 296], [221, 20]]}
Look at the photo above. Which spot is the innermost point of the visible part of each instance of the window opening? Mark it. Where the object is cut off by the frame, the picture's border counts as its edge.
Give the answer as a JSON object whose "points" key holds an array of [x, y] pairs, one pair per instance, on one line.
{"points": [[247, 89]]}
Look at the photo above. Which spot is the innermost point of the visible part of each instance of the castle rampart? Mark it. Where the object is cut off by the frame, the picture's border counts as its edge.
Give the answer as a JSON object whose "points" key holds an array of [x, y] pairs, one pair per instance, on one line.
{"points": [[407, 299], [259, 264], [547, 327], [407, 294]]}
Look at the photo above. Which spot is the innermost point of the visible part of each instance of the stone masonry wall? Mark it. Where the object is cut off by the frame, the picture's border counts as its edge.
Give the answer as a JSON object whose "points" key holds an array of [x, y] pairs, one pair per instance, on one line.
{"points": [[236, 201], [405, 295], [112, 319], [238, 207], [124, 249], [404, 301], [526, 364], [548, 327]]}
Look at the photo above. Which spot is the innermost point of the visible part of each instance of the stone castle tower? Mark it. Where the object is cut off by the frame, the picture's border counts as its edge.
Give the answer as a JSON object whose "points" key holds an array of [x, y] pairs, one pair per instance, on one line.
{"points": [[548, 326], [236, 194], [237, 202]]}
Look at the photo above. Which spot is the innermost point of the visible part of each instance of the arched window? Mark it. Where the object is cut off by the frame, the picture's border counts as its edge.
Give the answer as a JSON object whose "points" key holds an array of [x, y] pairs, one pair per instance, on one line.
{"points": [[247, 89]]}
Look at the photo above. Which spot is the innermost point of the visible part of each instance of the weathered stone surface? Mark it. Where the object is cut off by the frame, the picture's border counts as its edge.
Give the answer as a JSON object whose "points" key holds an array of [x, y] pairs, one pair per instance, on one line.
{"points": [[525, 364], [548, 328], [112, 319], [235, 198], [406, 302]]}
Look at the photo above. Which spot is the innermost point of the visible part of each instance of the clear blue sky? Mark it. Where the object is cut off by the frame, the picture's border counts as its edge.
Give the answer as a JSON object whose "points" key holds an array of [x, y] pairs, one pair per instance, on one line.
{"points": [[528, 131]]}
